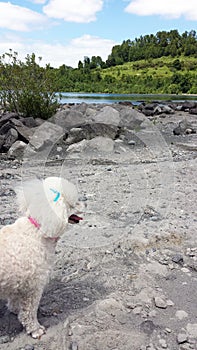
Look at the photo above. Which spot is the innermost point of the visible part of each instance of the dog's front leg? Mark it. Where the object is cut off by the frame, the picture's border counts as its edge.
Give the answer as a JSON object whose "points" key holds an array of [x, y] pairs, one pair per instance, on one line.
{"points": [[28, 314]]}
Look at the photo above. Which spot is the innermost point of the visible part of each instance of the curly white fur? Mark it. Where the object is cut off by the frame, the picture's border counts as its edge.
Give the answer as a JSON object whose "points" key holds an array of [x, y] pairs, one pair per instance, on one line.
{"points": [[26, 251]]}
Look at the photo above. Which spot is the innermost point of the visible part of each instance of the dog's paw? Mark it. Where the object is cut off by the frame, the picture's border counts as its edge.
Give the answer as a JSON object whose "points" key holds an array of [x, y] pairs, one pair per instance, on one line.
{"points": [[37, 334]]}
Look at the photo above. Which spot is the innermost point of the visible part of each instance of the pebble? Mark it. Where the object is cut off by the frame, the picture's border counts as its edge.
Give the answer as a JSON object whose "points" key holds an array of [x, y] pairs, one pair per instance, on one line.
{"points": [[178, 259], [163, 343], [161, 303], [185, 269], [4, 339], [137, 310], [73, 346], [169, 302], [181, 338], [192, 330], [181, 314]]}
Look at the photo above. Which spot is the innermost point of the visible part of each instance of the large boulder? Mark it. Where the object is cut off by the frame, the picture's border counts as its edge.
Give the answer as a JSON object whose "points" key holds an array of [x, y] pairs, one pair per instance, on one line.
{"points": [[6, 117], [130, 118], [97, 144], [107, 115], [46, 135], [89, 131], [68, 118]]}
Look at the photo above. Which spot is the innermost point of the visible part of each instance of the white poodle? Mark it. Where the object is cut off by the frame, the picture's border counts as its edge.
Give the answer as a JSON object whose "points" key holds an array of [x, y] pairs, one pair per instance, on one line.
{"points": [[27, 246]]}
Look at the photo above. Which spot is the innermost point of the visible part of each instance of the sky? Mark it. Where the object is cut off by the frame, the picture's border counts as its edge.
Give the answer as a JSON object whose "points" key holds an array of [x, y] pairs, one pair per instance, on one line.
{"points": [[64, 31]]}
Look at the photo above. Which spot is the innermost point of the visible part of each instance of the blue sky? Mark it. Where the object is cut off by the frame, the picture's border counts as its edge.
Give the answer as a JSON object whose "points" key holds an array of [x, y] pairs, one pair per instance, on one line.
{"points": [[64, 31]]}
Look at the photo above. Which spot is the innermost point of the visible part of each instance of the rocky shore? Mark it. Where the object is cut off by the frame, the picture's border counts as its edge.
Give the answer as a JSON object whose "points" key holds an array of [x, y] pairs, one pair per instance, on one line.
{"points": [[125, 278]]}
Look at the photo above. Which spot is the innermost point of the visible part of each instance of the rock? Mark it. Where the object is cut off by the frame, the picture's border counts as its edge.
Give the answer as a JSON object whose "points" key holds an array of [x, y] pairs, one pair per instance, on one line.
{"points": [[163, 343], [24, 132], [17, 150], [182, 127], [30, 122], [89, 131], [101, 144], [110, 306], [131, 143], [81, 107], [4, 339], [167, 109], [192, 330], [188, 105], [181, 338], [68, 118], [77, 147], [160, 303], [181, 314], [73, 346], [148, 327], [6, 117], [10, 138], [130, 118], [45, 135], [193, 111], [2, 140], [107, 115], [178, 259]]}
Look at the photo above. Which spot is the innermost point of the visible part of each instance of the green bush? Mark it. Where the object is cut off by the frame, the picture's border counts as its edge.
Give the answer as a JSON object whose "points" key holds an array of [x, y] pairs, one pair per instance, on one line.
{"points": [[25, 87]]}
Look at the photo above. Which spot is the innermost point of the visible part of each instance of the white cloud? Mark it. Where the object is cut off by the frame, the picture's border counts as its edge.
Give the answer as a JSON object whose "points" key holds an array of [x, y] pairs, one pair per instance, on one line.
{"points": [[19, 18], [58, 54], [168, 8], [39, 1], [80, 11]]}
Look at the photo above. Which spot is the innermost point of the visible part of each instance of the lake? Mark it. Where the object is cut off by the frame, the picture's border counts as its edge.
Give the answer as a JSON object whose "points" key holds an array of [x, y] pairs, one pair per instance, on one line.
{"points": [[136, 99]]}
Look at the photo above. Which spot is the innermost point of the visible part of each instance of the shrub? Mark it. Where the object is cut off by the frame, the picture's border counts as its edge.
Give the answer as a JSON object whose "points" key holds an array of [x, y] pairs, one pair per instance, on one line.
{"points": [[25, 87]]}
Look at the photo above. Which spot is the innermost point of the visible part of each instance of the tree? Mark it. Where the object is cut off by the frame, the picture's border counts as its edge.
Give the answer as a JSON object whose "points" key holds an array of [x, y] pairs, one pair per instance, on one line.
{"points": [[25, 87]]}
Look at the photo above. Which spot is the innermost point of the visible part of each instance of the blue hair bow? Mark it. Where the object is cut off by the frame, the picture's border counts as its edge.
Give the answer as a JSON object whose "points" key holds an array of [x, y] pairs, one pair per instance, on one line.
{"points": [[57, 194]]}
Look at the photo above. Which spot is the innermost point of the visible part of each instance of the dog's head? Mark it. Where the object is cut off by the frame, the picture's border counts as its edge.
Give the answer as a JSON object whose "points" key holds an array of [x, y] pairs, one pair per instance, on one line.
{"points": [[52, 202]]}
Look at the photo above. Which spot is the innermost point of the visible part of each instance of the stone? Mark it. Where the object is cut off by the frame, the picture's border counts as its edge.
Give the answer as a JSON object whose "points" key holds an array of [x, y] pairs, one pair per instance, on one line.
{"points": [[130, 118], [193, 111], [10, 138], [101, 144], [181, 314], [77, 147], [4, 339], [6, 117], [68, 118], [107, 115], [17, 150], [181, 338], [192, 330], [163, 343], [182, 127], [178, 259], [160, 303], [45, 135], [89, 131]]}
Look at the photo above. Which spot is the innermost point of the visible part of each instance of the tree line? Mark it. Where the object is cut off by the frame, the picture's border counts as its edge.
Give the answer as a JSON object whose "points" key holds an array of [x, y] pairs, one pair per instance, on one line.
{"points": [[146, 47]]}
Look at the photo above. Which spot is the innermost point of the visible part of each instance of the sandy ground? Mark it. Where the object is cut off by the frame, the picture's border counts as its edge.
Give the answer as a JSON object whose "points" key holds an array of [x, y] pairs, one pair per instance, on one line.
{"points": [[126, 277]]}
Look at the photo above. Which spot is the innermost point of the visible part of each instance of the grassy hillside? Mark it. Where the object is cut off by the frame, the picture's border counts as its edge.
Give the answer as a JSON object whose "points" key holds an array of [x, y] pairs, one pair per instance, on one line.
{"points": [[160, 75]]}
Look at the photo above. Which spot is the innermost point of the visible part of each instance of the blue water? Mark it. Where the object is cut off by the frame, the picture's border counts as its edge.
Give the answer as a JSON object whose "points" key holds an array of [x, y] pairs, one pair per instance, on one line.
{"points": [[77, 97]]}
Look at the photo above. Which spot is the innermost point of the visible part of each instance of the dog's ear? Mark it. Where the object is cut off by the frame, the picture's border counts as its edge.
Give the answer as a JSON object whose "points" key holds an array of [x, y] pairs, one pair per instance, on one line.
{"points": [[24, 193]]}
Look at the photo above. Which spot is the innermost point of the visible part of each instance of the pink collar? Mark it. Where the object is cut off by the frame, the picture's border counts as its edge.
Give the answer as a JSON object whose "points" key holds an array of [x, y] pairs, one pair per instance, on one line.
{"points": [[34, 222], [37, 225]]}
